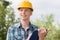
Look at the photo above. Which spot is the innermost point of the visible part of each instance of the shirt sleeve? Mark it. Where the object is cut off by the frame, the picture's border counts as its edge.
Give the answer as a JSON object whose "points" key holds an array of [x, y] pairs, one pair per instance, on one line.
{"points": [[10, 34]]}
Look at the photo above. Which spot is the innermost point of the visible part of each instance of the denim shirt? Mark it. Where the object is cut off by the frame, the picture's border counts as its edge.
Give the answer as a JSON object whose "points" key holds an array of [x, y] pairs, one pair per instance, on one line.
{"points": [[17, 32]]}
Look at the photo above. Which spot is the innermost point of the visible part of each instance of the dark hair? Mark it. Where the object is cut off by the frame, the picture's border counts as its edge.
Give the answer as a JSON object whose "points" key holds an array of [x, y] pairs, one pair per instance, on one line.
{"points": [[31, 9], [28, 8]]}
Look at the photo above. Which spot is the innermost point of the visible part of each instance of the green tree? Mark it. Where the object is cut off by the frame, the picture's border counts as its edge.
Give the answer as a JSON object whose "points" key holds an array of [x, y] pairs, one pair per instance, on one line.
{"points": [[7, 18]]}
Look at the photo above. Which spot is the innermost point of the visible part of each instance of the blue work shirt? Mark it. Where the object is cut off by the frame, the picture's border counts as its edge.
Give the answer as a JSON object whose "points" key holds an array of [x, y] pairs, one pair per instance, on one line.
{"points": [[17, 32]]}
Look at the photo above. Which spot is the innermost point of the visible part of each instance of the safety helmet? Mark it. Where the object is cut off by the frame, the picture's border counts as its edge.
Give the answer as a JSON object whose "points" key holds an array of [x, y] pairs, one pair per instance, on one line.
{"points": [[25, 4]]}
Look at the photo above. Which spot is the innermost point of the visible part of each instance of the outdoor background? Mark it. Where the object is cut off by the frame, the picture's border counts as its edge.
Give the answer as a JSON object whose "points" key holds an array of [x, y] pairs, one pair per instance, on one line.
{"points": [[46, 13]]}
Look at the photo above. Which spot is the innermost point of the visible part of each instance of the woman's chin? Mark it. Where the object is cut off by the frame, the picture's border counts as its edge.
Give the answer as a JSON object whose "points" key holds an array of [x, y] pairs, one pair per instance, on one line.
{"points": [[24, 19]]}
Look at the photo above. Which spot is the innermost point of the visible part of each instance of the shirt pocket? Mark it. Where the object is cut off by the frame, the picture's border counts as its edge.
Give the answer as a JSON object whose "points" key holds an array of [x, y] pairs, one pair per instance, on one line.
{"points": [[18, 36]]}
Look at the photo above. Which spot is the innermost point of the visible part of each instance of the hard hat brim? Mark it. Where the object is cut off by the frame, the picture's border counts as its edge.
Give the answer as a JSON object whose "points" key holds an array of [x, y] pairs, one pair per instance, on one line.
{"points": [[25, 7]]}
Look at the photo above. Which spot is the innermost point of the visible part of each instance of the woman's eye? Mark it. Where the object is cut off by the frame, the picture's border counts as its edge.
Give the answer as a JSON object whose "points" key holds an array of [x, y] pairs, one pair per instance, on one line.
{"points": [[21, 10]]}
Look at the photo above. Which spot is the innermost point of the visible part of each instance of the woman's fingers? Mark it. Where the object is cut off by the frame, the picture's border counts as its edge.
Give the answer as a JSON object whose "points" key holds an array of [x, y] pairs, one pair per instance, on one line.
{"points": [[42, 32]]}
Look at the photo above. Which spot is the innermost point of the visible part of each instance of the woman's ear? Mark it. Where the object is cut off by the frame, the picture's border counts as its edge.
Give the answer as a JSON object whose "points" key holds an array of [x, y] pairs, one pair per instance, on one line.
{"points": [[31, 12]]}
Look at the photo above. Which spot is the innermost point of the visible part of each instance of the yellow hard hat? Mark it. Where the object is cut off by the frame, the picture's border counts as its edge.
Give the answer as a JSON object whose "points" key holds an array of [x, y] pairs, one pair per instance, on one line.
{"points": [[25, 4]]}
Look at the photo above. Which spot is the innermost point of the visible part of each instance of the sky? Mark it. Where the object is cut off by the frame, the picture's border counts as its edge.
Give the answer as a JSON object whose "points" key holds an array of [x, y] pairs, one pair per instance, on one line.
{"points": [[41, 7]]}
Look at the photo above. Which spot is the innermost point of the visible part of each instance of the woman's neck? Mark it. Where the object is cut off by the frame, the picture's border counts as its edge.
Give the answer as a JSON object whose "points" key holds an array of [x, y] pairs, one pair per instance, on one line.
{"points": [[25, 24]]}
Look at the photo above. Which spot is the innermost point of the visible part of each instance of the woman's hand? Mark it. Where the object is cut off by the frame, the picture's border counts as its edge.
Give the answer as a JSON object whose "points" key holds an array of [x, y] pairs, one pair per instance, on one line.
{"points": [[42, 32]]}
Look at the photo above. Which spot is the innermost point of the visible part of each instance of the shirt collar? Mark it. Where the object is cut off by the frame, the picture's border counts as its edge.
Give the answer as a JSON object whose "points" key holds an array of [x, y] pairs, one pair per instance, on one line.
{"points": [[30, 26]]}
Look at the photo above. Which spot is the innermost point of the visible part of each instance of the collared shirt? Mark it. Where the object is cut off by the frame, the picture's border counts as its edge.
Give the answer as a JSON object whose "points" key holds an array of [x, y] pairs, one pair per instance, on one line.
{"points": [[16, 32]]}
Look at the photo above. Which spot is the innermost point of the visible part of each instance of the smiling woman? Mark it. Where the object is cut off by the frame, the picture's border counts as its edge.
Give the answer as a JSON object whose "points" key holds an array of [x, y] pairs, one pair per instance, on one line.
{"points": [[22, 30]]}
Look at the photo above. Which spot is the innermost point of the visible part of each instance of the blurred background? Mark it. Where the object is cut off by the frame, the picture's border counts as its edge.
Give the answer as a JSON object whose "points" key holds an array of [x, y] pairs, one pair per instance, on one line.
{"points": [[46, 13]]}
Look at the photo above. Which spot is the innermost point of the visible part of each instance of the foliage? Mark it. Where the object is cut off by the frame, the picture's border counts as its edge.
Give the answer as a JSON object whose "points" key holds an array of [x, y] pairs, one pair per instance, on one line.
{"points": [[7, 18], [47, 22]]}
